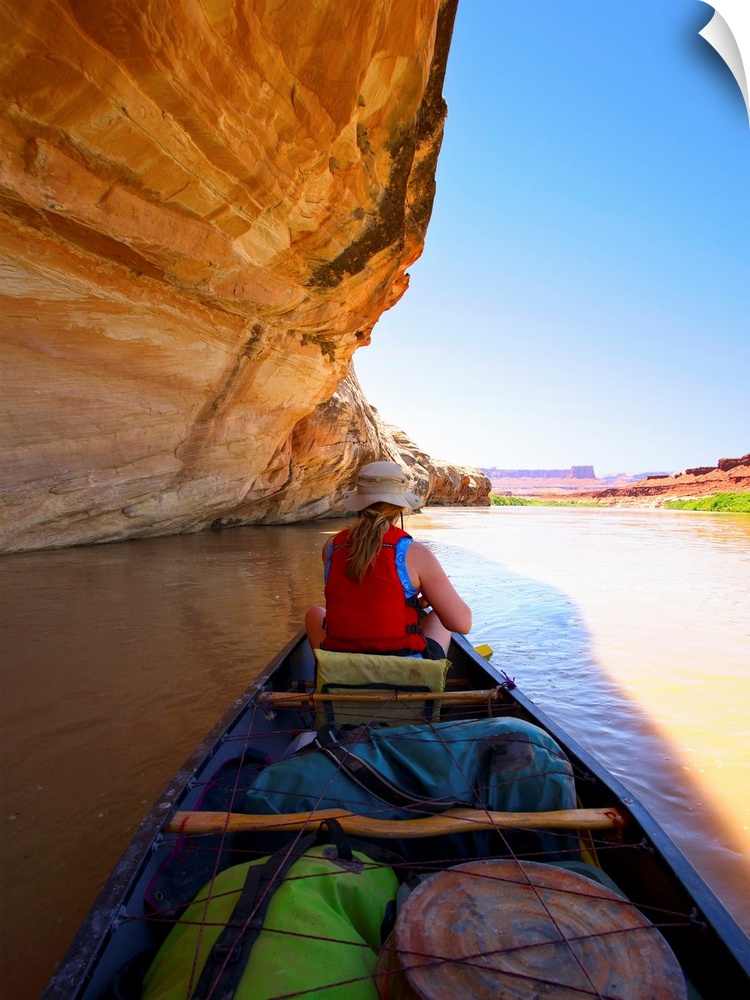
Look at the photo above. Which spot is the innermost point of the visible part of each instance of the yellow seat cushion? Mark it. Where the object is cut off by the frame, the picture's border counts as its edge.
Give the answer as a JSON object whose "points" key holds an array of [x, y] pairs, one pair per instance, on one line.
{"points": [[348, 673]]}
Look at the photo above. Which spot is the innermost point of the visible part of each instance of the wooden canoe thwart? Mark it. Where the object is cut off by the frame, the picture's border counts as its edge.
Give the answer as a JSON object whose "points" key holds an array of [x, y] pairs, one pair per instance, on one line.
{"points": [[451, 821], [298, 699]]}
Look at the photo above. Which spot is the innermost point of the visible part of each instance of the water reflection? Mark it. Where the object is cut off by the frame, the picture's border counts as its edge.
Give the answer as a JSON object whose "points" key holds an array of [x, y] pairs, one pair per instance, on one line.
{"points": [[116, 661], [657, 685]]}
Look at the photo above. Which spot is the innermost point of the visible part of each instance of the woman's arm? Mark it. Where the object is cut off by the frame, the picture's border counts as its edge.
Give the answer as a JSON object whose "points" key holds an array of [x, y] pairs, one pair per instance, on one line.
{"points": [[430, 578]]}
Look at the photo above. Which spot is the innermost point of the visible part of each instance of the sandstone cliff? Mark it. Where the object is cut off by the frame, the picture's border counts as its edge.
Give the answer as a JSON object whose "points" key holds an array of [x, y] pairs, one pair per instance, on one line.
{"points": [[204, 209], [442, 483], [327, 448]]}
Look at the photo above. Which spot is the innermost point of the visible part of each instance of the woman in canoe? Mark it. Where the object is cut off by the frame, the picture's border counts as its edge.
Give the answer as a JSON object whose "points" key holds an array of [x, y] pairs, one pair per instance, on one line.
{"points": [[385, 593]]}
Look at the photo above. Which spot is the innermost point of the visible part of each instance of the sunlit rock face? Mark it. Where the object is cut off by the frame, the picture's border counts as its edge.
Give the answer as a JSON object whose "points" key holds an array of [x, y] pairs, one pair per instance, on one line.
{"points": [[442, 483], [204, 209], [328, 447], [322, 456]]}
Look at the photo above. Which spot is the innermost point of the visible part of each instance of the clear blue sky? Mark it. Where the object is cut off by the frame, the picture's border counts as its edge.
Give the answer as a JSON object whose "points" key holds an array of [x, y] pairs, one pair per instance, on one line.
{"points": [[584, 293]]}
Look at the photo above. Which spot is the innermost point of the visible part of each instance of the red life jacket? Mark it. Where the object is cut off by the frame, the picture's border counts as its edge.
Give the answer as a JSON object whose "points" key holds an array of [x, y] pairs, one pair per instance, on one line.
{"points": [[375, 616]]}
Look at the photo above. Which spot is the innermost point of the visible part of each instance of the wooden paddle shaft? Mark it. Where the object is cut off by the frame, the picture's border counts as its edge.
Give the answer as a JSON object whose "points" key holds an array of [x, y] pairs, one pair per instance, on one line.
{"points": [[452, 821]]}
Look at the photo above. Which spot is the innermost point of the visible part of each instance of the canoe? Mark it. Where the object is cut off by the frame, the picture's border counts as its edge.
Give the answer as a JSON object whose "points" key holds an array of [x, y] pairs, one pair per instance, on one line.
{"points": [[609, 848]]}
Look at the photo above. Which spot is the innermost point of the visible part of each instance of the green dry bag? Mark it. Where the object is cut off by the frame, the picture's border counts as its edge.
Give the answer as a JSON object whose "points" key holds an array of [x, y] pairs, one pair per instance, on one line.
{"points": [[320, 936]]}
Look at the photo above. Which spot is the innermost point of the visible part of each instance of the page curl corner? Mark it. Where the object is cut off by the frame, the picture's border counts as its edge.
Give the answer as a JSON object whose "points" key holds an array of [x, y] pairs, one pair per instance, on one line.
{"points": [[728, 32]]}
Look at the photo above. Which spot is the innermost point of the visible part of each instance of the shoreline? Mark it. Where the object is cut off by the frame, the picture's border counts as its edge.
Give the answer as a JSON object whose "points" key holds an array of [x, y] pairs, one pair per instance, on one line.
{"points": [[736, 502], [729, 476]]}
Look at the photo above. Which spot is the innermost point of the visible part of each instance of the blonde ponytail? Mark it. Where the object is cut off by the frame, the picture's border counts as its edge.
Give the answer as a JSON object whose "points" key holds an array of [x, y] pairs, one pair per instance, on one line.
{"points": [[366, 538]]}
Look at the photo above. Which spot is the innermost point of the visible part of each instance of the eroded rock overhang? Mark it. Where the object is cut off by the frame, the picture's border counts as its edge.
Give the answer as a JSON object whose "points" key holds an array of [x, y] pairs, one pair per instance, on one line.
{"points": [[205, 207]]}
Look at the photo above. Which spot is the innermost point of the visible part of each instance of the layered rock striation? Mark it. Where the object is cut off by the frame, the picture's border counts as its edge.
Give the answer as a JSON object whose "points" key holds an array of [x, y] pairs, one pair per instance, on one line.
{"points": [[205, 207], [442, 483], [329, 446]]}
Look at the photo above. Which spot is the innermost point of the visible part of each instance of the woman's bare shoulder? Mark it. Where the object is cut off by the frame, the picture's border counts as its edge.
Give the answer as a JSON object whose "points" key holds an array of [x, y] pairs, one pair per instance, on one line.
{"points": [[422, 553]]}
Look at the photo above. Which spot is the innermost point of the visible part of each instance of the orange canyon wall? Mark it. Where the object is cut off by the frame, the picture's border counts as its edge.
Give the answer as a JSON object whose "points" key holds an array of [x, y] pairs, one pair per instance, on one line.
{"points": [[205, 207]]}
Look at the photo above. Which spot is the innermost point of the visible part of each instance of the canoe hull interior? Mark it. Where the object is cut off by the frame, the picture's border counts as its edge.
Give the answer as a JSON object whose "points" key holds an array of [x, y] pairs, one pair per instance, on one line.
{"points": [[637, 856]]}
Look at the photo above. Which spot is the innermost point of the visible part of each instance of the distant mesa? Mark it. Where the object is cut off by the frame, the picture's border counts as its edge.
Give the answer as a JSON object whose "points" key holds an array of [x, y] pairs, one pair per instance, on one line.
{"points": [[574, 472], [538, 482], [578, 479], [727, 464]]}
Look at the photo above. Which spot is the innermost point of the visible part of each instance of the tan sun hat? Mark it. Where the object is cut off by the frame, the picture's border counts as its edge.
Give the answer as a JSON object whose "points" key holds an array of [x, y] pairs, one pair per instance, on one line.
{"points": [[381, 481]]}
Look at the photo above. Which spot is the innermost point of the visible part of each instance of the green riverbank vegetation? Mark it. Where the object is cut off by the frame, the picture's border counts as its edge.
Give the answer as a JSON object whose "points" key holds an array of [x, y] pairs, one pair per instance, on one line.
{"points": [[728, 503], [503, 501], [497, 501]]}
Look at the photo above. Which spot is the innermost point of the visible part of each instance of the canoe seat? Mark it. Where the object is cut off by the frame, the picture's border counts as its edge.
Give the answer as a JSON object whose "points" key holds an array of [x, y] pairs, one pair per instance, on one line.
{"points": [[360, 673]]}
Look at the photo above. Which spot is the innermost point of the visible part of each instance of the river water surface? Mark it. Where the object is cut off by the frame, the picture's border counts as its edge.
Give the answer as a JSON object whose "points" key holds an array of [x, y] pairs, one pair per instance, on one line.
{"points": [[631, 628]]}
